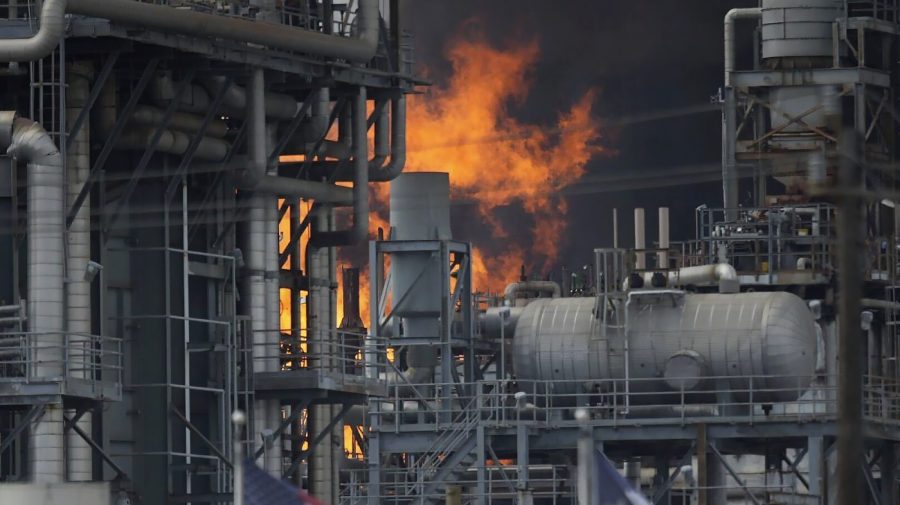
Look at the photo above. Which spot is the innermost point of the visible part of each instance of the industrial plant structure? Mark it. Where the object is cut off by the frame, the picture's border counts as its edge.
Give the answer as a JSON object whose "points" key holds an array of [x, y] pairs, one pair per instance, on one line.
{"points": [[142, 269]]}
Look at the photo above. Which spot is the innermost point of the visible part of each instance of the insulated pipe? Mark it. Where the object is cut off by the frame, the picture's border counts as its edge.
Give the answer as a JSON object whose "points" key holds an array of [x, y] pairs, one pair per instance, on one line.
{"points": [[256, 179], [258, 232], [277, 105], [193, 99], [730, 18], [722, 273], [359, 49], [378, 170], [79, 455], [138, 137], [640, 239], [41, 43], [545, 287], [27, 141], [662, 257], [189, 123], [360, 227]]}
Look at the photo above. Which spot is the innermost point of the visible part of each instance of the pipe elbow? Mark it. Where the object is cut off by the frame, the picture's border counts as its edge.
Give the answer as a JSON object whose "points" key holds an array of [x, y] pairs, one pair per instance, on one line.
{"points": [[41, 43]]}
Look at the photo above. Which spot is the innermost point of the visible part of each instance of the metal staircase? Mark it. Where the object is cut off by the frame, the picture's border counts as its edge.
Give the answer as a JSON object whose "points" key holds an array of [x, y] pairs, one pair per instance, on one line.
{"points": [[450, 456]]}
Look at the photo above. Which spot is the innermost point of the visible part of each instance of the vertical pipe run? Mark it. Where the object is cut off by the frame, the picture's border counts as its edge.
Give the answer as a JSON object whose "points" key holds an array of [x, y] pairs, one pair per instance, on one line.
{"points": [[851, 240], [662, 257], [615, 228], [78, 290], [260, 231], [640, 239]]}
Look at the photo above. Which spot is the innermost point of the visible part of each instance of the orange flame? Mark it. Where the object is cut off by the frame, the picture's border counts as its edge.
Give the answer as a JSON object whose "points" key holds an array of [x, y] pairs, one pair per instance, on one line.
{"points": [[466, 128]]}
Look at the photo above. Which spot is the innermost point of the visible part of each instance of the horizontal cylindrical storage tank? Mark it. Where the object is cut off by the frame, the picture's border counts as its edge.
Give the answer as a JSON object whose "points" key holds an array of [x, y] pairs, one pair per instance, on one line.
{"points": [[679, 340], [798, 28]]}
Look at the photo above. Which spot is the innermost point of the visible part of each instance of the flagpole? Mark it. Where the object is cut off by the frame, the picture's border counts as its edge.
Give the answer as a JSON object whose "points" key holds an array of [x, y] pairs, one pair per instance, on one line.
{"points": [[585, 458], [238, 419]]}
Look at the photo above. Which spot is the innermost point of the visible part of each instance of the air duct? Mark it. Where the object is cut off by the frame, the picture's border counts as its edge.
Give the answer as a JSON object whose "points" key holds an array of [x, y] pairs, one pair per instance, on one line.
{"points": [[359, 49], [26, 140]]}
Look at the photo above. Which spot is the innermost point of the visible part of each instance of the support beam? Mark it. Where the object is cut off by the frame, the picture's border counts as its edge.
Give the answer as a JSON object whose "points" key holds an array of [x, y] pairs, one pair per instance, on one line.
{"points": [[138, 172], [121, 121], [203, 438], [99, 83], [33, 415], [188, 155], [314, 442], [120, 474], [734, 475]]}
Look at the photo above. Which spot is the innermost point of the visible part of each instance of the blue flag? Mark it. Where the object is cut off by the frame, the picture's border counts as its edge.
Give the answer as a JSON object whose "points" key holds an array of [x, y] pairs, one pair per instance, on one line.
{"points": [[260, 488], [610, 488]]}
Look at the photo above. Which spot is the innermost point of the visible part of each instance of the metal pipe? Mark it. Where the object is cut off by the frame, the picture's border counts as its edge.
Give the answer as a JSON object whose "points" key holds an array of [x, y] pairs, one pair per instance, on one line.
{"points": [[662, 257], [26, 140], [41, 43], [730, 18], [360, 227], [359, 49], [640, 240], [545, 287], [79, 462], [172, 141], [277, 105], [256, 179], [258, 232], [379, 171]]}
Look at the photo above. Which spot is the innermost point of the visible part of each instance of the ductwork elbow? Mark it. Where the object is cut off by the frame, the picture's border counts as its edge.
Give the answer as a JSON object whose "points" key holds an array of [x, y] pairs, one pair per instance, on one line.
{"points": [[41, 43], [31, 143]]}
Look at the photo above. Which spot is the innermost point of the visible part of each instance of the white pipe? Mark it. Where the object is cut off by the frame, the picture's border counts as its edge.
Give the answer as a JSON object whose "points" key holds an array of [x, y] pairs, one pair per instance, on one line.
{"points": [[722, 273], [640, 239], [730, 18], [41, 43], [79, 465], [27, 141], [546, 287], [259, 232]]}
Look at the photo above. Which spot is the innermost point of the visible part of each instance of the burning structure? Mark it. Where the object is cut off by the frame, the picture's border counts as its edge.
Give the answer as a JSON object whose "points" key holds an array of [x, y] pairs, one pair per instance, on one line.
{"points": [[182, 180]]}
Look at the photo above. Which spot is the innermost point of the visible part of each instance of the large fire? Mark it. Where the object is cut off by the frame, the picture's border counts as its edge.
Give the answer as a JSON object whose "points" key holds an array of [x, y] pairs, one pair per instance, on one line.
{"points": [[466, 128]]}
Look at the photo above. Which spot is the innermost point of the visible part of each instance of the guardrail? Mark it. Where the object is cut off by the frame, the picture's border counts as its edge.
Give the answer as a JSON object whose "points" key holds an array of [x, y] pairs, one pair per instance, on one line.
{"points": [[746, 399], [345, 355], [58, 356]]}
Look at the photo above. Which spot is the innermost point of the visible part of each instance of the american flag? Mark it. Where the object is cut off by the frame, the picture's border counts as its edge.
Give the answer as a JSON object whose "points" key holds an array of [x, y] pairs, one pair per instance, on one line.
{"points": [[260, 488], [610, 488]]}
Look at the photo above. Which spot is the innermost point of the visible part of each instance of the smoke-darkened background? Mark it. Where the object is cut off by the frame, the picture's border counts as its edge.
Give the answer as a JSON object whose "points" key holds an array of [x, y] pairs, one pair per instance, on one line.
{"points": [[647, 57]]}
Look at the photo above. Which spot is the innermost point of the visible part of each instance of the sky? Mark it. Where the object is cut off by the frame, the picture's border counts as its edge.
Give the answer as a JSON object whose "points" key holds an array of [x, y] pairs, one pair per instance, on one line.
{"points": [[645, 56]]}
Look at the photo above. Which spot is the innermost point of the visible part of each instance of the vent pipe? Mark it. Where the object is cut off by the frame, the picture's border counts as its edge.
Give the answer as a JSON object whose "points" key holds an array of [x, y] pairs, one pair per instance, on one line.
{"points": [[640, 240]]}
